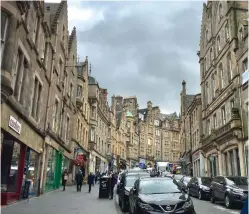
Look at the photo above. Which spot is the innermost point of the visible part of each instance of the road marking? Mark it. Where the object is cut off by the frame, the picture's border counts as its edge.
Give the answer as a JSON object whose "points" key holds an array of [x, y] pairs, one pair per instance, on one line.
{"points": [[226, 210]]}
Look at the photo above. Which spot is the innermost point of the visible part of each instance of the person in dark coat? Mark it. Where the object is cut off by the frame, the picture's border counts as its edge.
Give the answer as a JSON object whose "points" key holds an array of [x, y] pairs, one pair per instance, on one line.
{"points": [[64, 178], [90, 181], [112, 185], [79, 180]]}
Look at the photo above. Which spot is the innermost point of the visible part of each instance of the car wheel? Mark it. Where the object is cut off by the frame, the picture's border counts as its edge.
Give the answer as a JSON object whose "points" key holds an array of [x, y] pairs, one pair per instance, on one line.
{"points": [[227, 201], [212, 198], [200, 195]]}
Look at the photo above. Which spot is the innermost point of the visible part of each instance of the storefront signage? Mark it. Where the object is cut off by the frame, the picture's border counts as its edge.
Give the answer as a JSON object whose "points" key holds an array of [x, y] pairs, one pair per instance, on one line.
{"points": [[15, 125]]}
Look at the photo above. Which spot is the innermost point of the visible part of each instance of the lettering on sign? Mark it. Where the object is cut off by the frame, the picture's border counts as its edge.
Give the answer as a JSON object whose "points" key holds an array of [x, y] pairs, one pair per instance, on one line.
{"points": [[15, 125]]}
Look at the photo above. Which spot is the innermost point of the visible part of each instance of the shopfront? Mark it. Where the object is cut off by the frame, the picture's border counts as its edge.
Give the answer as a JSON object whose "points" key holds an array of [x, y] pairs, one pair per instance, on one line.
{"points": [[54, 169], [30, 175], [12, 167]]}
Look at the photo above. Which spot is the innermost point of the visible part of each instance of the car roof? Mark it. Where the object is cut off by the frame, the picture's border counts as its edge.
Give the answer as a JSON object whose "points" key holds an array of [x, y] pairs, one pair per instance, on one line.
{"points": [[155, 178]]}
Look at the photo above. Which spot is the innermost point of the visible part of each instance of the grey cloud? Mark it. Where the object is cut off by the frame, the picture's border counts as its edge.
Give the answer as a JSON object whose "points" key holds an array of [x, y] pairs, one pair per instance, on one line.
{"points": [[148, 41]]}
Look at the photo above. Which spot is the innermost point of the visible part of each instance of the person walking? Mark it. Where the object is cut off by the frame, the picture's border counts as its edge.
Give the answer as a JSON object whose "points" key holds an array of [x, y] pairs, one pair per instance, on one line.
{"points": [[79, 180], [112, 185], [90, 181], [64, 178]]}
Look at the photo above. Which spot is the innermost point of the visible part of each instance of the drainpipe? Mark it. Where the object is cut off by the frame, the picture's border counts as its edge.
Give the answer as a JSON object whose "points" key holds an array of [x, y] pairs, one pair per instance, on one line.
{"points": [[46, 119]]}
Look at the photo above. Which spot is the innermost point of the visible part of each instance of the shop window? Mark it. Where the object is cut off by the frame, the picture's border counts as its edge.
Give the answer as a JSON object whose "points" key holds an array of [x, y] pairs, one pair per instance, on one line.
{"points": [[31, 171], [13, 174], [50, 176]]}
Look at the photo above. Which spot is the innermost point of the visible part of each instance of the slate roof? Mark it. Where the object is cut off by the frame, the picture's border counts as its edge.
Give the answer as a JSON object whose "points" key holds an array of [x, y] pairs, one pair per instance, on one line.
{"points": [[92, 81]]}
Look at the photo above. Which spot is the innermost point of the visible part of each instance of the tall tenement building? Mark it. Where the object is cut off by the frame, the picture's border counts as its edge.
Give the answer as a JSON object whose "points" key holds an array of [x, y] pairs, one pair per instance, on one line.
{"points": [[224, 81], [192, 161]]}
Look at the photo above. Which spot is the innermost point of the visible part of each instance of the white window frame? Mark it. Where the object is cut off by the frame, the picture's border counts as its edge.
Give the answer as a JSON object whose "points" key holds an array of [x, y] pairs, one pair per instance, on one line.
{"points": [[229, 64], [55, 115], [227, 33], [218, 43], [222, 83], [38, 99]]}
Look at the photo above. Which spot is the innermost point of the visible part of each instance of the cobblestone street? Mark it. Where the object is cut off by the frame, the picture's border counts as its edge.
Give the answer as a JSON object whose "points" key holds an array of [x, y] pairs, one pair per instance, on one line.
{"points": [[68, 202]]}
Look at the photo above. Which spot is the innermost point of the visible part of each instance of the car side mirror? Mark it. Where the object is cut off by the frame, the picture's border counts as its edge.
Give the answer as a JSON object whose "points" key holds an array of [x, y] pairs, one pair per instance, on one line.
{"points": [[135, 190], [222, 183]]}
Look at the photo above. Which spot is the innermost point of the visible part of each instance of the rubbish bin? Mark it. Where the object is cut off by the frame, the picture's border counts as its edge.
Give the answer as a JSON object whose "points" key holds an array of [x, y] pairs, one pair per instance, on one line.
{"points": [[104, 187]]}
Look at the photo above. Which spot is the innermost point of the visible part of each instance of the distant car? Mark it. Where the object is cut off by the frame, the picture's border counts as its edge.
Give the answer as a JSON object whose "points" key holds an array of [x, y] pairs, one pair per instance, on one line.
{"points": [[233, 190], [159, 195], [199, 187], [183, 182]]}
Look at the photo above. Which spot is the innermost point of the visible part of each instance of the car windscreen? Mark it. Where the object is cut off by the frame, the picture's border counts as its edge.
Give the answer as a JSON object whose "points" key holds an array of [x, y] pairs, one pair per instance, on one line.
{"points": [[178, 177], [237, 181], [205, 181], [130, 180], [187, 179], [160, 186]]}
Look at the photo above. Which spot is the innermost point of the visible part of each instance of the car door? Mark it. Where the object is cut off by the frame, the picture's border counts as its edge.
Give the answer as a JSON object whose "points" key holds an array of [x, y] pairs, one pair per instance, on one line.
{"points": [[222, 188], [219, 186], [181, 183], [190, 186], [196, 186], [133, 196], [122, 188], [214, 186]]}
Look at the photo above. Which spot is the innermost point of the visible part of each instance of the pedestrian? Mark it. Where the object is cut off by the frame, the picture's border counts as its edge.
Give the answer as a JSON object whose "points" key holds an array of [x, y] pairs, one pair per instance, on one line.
{"points": [[90, 181], [64, 178], [111, 185], [94, 175], [79, 180]]}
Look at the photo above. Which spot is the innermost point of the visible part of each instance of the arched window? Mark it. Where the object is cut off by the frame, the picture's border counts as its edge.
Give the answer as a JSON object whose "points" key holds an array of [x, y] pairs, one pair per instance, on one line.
{"points": [[241, 34], [222, 80], [220, 11], [229, 66], [226, 31]]}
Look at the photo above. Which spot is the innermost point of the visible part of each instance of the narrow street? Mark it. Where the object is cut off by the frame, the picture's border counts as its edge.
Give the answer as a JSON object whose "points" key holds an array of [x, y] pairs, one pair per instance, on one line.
{"points": [[68, 202]]}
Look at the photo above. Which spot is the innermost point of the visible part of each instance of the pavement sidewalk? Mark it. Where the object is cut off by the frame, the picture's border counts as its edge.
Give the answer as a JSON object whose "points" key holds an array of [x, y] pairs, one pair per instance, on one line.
{"points": [[68, 202]]}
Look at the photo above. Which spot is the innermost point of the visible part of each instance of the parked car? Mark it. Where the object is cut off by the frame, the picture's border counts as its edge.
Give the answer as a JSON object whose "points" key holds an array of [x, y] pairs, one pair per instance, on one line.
{"points": [[159, 195], [199, 187], [131, 172], [126, 183], [233, 190], [183, 182]]}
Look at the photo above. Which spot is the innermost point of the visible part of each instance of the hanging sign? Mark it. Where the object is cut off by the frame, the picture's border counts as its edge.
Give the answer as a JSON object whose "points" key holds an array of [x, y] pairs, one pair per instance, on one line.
{"points": [[15, 125]]}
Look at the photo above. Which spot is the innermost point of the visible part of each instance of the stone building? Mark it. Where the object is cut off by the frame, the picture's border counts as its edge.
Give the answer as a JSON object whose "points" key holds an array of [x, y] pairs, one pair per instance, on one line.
{"points": [[82, 115], [222, 41], [61, 99], [159, 136], [38, 68], [170, 135], [121, 131], [24, 62], [191, 127], [99, 123]]}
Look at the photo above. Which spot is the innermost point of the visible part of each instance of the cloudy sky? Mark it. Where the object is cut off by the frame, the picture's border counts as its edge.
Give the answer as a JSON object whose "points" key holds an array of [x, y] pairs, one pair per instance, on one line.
{"points": [[141, 48]]}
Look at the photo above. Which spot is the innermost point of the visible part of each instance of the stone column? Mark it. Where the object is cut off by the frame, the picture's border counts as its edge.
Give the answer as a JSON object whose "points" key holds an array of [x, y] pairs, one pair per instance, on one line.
{"points": [[235, 163], [228, 164], [224, 164], [206, 168], [220, 167], [241, 159]]}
